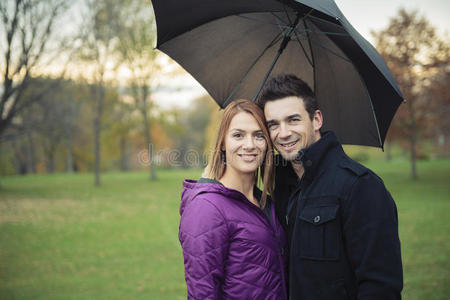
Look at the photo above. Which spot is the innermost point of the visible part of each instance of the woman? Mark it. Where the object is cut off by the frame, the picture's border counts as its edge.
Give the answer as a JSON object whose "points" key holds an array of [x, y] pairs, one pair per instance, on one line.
{"points": [[232, 242]]}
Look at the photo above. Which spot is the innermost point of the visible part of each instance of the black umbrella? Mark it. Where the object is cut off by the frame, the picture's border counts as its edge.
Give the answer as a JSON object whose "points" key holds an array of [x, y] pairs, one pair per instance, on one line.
{"points": [[231, 47]]}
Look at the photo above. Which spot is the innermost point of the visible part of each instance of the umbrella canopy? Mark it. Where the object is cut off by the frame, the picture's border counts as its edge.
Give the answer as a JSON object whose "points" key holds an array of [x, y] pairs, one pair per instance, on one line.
{"points": [[230, 47]]}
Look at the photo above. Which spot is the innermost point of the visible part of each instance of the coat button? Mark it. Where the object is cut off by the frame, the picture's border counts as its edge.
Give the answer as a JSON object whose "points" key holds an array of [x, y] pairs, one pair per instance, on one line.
{"points": [[316, 219]]}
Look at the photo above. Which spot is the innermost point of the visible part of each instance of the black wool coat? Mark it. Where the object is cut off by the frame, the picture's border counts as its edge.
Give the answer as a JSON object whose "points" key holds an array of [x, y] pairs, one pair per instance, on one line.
{"points": [[342, 227]]}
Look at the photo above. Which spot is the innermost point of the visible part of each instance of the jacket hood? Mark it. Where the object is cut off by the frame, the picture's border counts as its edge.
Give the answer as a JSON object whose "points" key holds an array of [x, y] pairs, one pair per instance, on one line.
{"points": [[192, 188]]}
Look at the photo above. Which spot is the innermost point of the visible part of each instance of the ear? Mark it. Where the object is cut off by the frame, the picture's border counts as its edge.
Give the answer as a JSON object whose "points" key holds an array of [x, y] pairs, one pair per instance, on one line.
{"points": [[317, 120]]}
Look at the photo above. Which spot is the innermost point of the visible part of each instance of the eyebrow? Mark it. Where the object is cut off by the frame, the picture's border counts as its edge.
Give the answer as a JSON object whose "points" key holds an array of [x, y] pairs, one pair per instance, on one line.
{"points": [[270, 122], [240, 130], [293, 116]]}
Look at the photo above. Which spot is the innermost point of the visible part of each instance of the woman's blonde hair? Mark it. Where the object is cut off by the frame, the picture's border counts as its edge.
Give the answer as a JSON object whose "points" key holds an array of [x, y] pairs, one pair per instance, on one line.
{"points": [[216, 166]]}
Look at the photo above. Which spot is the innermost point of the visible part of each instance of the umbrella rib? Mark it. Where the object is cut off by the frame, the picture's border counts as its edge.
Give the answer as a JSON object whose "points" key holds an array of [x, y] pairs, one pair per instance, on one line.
{"points": [[264, 22], [295, 32], [278, 17], [280, 26], [304, 50], [305, 15], [284, 43], [327, 49], [312, 56], [281, 21], [373, 110], [326, 21], [325, 32], [271, 44], [287, 15]]}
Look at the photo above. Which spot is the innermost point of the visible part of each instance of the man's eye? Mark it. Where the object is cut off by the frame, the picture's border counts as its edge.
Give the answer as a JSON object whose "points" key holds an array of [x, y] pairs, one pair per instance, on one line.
{"points": [[294, 120], [272, 126]]}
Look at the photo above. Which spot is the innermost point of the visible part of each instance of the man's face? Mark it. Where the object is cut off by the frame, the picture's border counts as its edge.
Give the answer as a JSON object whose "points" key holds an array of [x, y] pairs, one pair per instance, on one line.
{"points": [[290, 126]]}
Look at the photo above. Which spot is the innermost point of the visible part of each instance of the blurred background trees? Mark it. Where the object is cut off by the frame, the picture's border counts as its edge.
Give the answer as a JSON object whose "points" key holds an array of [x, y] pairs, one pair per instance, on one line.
{"points": [[135, 48], [420, 62], [27, 26], [84, 100]]}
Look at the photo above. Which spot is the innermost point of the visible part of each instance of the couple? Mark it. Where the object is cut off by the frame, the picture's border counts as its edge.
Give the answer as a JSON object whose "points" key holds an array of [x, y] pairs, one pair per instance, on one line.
{"points": [[323, 226]]}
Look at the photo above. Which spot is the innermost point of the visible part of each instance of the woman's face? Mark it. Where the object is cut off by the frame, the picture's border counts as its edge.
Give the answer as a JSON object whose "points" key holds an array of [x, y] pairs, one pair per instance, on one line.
{"points": [[245, 145]]}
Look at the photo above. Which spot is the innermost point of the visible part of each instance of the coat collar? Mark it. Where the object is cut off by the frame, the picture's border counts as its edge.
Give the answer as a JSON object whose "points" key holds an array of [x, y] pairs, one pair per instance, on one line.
{"points": [[313, 158]]}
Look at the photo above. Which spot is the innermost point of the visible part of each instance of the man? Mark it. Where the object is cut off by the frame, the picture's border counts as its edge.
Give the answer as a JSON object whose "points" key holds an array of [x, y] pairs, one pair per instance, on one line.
{"points": [[340, 220]]}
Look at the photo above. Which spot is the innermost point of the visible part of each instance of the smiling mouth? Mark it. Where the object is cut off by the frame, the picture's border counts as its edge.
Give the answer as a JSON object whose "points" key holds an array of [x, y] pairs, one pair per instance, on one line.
{"points": [[248, 157], [288, 146]]}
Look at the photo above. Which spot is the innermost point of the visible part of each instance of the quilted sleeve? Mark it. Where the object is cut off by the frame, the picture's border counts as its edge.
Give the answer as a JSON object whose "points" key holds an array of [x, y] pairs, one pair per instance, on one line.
{"points": [[204, 238]]}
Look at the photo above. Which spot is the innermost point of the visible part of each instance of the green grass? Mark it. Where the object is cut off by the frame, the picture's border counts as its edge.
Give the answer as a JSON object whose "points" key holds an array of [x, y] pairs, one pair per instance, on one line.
{"points": [[424, 225], [62, 238]]}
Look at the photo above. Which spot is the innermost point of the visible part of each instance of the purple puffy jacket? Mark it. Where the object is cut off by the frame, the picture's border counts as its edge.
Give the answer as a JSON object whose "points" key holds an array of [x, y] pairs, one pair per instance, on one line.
{"points": [[231, 250]]}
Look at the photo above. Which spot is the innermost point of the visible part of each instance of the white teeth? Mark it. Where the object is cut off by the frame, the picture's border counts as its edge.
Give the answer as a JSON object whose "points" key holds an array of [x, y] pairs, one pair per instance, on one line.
{"points": [[248, 157], [289, 145]]}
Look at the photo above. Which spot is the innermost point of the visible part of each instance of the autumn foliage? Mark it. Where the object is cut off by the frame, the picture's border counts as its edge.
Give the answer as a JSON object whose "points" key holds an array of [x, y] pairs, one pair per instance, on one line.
{"points": [[419, 60]]}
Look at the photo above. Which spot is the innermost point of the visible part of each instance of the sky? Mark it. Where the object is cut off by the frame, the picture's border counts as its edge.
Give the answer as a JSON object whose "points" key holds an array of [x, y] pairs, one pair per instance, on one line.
{"points": [[364, 15]]}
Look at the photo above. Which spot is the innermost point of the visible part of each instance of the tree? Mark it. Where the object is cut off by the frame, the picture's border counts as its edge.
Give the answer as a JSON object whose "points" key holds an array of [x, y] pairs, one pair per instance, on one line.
{"points": [[189, 131], [27, 28], [121, 122], [212, 128], [58, 111], [438, 90], [137, 40], [42, 126], [408, 44], [98, 42], [71, 113]]}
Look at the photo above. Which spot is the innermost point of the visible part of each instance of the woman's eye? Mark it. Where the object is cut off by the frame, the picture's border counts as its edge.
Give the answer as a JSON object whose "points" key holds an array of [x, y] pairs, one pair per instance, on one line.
{"points": [[237, 135], [260, 136]]}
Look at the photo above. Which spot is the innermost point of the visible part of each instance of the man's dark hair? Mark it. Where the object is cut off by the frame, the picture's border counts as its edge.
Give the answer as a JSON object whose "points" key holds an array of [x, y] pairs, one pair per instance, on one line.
{"points": [[287, 85]]}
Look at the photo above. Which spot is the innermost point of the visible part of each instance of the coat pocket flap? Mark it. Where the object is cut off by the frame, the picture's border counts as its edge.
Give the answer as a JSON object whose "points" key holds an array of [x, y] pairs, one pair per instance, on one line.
{"points": [[318, 215]]}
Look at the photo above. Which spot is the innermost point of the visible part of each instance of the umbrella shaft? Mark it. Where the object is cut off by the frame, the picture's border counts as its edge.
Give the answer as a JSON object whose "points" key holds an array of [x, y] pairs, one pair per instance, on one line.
{"points": [[267, 75], [286, 40]]}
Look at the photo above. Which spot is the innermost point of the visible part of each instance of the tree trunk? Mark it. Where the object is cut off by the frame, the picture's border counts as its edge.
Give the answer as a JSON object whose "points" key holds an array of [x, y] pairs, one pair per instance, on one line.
{"points": [[123, 154], [97, 149], [413, 143], [20, 165], [147, 129], [388, 151], [49, 152], [31, 154], [1, 173], [50, 163], [69, 157], [413, 140], [97, 131]]}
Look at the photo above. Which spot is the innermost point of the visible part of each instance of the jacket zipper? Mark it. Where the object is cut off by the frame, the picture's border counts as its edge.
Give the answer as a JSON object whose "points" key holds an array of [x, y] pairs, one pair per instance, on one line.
{"points": [[277, 238], [281, 254]]}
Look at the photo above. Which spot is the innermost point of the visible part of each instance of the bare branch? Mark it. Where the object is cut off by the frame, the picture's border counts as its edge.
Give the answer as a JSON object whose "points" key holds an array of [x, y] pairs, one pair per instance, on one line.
{"points": [[29, 27]]}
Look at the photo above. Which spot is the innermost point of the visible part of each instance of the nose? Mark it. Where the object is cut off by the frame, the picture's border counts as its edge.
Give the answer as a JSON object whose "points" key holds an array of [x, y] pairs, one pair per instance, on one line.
{"points": [[284, 131], [249, 143]]}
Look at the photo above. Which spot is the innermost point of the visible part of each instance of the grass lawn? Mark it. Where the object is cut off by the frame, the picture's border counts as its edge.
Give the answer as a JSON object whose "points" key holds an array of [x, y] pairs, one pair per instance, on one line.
{"points": [[61, 238]]}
